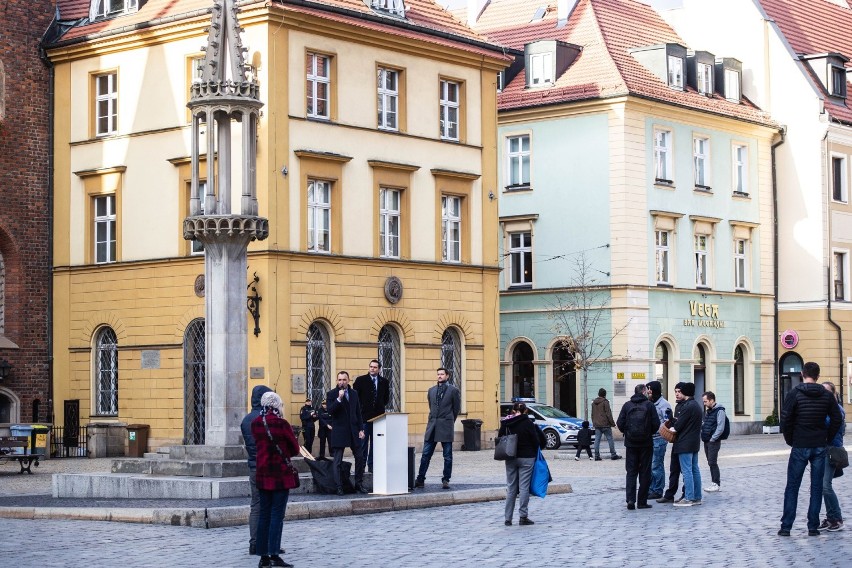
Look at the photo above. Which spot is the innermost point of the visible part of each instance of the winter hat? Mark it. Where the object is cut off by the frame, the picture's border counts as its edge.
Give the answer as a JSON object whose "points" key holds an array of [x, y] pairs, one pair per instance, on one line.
{"points": [[656, 388], [271, 400], [602, 392], [687, 389]]}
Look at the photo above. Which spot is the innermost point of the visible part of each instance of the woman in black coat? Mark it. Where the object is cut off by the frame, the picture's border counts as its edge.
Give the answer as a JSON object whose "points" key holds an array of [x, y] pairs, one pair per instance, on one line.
{"points": [[519, 470]]}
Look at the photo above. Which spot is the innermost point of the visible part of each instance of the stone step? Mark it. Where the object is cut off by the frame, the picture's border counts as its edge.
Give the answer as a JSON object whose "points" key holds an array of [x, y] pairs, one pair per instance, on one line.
{"points": [[195, 453], [155, 456], [172, 467]]}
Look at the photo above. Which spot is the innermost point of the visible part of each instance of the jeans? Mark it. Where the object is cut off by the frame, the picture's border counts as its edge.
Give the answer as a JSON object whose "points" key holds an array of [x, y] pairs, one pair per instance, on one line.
{"points": [[832, 505], [638, 463], [254, 510], [518, 476], [599, 433], [658, 466], [367, 445], [337, 459], [691, 476], [429, 449], [271, 521], [799, 459], [711, 451]]}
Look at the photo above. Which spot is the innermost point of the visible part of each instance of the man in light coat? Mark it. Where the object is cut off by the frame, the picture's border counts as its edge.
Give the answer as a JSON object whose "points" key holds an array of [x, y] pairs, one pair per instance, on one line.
{"points": [[444, 407]]}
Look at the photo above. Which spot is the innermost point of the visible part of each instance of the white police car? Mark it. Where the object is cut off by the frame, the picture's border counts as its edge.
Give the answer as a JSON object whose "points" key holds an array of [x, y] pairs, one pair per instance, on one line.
{"points": [[557, 426]]}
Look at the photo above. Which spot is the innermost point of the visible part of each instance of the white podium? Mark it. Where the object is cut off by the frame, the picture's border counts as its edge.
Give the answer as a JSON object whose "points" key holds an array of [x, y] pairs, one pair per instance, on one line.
{"points": [[390, 454]]}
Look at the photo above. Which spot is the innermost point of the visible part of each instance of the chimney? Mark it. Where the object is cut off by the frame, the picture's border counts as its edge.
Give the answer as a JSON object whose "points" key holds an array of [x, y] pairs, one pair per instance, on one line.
{"points": [[563, 10]]}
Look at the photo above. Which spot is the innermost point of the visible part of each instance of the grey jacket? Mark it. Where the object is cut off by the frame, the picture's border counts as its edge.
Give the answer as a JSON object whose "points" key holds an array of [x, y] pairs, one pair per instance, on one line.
{"points": [[442, 417]]}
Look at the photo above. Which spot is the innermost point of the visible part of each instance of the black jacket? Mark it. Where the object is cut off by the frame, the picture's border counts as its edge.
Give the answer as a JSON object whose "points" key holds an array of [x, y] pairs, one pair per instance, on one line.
{"points": [[324, 422], [530, 438], [245, 426], [346, 420], [372, 405], [584, 437], [687, 424], [803, 416], [652, 422], [305, 415]]}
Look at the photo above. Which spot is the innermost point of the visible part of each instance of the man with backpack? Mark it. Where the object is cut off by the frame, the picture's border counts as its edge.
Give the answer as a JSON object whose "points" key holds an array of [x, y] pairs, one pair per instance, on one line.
{"points": [[714, 428], [638, 421]]}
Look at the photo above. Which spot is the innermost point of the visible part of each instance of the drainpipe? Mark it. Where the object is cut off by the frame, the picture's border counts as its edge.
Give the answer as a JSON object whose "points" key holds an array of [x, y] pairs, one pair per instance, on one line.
{"points": [[776, 377], [841, 375]]}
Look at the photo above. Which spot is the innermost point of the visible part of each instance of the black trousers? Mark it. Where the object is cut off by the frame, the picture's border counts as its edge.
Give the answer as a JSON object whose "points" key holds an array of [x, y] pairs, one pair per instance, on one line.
{"points": [[323, 438], [337, 457], [674, 475], [638, 464], [309, 434], [581, 448]]}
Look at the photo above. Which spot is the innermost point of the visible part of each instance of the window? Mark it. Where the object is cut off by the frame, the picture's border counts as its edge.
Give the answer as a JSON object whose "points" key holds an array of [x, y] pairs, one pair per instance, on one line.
{"points": [[740, 264], [701, 159], [661, 367], [732, 85], [395, 7], [108, 8], [318, 363], [319, 85], [704, 72], [541, 65], [838, 179], [662, 156], [838, 81], [196, 246], [740, 169], [194, 383], [106, 104], [451, 356], [501, 79], [739, 381], [520, 256], [450, 110], [518, 155], [702, 251], [451, 228], [661, 247], [839, 271], [390, 357], [106, 373], [389, 223], [388, 86], [319, 216], [104, 229], [675, 72]]}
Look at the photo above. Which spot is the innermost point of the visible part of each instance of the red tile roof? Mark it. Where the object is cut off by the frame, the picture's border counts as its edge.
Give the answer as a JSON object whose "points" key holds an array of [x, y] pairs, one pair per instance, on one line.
{"points": [[606, 30], [816, 26]]}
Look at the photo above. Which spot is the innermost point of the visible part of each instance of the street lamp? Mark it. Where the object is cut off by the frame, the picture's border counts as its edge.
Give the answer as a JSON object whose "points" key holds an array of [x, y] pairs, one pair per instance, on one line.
{"points": [[5, 369]]}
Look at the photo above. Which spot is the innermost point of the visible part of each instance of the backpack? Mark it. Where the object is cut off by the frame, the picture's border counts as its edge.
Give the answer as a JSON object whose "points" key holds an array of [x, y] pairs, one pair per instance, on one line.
{"points": [[637, 422], [727, 431]]}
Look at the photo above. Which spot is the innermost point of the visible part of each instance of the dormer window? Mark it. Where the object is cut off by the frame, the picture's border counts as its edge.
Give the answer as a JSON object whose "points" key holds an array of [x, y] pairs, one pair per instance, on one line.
{"points": [[546, 60], [541, 65], [111, 8], [704, 76], [675, 72], [732, 85], [830, 69], [729, 76], [394, 7], [837, 81]]}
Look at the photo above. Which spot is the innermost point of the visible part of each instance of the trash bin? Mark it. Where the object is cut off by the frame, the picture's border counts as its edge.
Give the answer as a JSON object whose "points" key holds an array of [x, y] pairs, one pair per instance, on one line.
{"points": [[22, 430], [137, 440], [472, 435], [40, 438]]}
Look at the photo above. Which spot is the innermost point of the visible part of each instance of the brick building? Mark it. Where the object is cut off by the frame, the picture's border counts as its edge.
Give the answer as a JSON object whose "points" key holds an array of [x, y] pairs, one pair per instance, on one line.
{"points": [[24, 213]]}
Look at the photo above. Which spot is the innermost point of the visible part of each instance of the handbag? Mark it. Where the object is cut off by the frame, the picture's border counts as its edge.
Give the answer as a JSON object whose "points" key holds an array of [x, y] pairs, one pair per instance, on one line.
{"points": [[289, 472], [506, 447], [540, 476], [667, 434], [838, 457]]}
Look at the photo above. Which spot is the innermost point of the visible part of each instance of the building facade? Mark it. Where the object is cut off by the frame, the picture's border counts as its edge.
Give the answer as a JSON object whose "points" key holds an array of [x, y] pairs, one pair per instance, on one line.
{"points": [[376, 157]]}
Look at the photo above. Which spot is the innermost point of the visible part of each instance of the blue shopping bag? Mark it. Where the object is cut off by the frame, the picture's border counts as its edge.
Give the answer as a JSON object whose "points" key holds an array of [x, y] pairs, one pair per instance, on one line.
{"points": [[540, 476]]}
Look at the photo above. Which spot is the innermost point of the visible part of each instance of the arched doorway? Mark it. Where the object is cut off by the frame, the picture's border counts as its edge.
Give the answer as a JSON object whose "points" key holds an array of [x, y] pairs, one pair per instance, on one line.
{"points": [[194, 383], [661, 367], [790, 372], [523, 371], [699, 370], [564, 380]]}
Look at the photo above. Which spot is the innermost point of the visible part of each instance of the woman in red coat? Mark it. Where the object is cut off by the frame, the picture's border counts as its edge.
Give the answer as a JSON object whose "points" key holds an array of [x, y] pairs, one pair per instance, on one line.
{"points": [[275, 440]]}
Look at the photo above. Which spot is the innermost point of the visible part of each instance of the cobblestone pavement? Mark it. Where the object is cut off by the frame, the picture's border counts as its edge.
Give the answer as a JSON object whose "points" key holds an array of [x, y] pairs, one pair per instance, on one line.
{"points": [[590, 527]]}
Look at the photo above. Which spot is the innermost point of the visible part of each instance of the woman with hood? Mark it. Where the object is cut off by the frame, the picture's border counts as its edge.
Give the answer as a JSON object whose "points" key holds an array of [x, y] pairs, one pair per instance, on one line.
{"points": [[519, 469], [275, 441]]}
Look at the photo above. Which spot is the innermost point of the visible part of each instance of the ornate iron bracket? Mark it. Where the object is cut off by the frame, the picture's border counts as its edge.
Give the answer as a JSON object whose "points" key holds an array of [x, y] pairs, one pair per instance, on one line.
{"points": [[253, 303]]}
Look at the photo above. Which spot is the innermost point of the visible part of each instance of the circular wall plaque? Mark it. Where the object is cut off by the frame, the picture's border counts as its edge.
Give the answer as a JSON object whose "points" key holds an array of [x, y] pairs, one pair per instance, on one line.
{"points": [[789, 339], [199, 286], [393, 289]]}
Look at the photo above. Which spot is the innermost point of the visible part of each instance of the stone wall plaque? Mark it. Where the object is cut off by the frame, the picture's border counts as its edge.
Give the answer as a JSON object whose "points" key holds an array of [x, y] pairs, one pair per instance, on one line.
{"points": [[151, 359], [297, 384], [393, 289], [619, 388], [198, 287], [257, 372]]}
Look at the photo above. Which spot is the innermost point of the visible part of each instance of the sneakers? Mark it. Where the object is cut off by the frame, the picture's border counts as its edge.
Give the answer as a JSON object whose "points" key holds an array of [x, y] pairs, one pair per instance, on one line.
{"points": [[576, 458], [278, 561], [712, 488], [591, 458], [631, 506], [813, 533], [835, 526], [508, 523], [665, 499], [597, 458], [824, 525], [696, 502], [643, 506], [783, 532], [418, 484], [684, 503], [525, 521], [654, 495], [616, 457], [445, 484]]}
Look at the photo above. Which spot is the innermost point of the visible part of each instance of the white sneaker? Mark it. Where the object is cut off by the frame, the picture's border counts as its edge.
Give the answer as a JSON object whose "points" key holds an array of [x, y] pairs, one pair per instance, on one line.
{"points": [[712, 488], [576, 458], [591, 458]]}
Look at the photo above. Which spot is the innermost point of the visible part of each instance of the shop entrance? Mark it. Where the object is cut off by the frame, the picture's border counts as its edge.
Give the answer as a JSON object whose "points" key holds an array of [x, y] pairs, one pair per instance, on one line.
{"points": [[790, 371], [699, 371], [564, 380]]}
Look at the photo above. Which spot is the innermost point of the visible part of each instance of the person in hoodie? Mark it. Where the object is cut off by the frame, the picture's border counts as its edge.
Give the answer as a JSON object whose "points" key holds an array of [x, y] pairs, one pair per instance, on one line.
{"points": [[519, 470], [251, 449], [803, 424], [638, 421], [711, 434], [658, 464], [833, 521], [603, 422], [687, 424]]}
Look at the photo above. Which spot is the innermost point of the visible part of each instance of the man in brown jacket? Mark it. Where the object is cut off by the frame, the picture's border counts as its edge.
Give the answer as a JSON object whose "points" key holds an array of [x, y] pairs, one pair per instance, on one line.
{"points": [[603, 422]]}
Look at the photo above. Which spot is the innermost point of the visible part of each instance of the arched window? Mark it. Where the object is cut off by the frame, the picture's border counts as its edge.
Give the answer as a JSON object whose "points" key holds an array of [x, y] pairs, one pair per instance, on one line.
{"points": [[523, 371], [5, 409], [318, 364], [106, 373], [661, 367], [699, 370], [390, 358], [194, 383], [2, 295], [451, 356], [739, 381]]}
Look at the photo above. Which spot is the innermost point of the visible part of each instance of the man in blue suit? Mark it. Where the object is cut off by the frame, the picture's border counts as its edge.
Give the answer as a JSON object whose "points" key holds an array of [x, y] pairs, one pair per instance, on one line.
{"points": [[346, 430]]}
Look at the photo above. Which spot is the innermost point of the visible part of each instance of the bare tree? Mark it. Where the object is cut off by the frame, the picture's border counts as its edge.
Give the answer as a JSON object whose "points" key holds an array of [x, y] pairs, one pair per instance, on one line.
{"points": [[581, 317]]}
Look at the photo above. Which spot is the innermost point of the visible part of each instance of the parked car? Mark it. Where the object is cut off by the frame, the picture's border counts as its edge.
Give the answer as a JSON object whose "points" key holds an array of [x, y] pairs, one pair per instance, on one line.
{"points": [[557, 426]]}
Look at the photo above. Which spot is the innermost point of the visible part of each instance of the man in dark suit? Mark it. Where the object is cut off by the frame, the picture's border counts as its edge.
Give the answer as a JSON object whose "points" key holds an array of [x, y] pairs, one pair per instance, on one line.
{"points": [[444, 407], [374, 393], [346, 430]]}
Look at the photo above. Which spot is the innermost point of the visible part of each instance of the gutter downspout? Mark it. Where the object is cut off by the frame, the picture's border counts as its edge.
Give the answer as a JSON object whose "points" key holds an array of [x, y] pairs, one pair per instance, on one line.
{"points": [[776, 378], [841, 374]]}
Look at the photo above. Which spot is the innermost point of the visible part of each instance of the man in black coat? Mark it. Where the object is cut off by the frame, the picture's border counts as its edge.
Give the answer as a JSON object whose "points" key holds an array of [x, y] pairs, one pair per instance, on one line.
{"points": [[346, 430], [374, 394], [308, 415], [810, 418], [638, 421], [687, 424]]}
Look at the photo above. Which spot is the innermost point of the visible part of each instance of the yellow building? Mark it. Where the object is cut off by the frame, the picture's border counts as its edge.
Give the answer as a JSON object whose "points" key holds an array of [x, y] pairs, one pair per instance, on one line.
{"points": [[376, 169]]}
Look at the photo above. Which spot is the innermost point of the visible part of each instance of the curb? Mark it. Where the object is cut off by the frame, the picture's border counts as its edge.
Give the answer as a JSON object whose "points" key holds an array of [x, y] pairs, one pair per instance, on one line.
{"points": [[215, 517]]}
